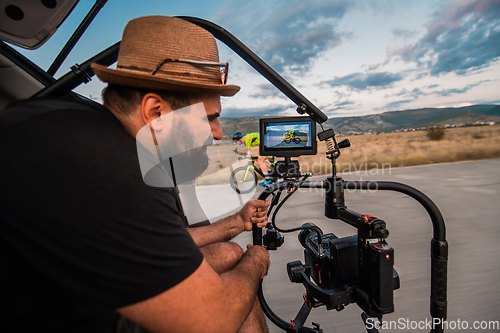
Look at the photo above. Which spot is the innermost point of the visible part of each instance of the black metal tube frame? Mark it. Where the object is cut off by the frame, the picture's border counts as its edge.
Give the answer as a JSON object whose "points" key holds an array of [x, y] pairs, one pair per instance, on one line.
{"points": [[78, 74], [76, 36], [107, 57], [263, 68]]}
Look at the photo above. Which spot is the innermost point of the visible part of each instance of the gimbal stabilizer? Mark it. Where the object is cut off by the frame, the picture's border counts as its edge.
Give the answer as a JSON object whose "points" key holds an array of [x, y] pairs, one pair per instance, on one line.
{"points": [[356, 269]]}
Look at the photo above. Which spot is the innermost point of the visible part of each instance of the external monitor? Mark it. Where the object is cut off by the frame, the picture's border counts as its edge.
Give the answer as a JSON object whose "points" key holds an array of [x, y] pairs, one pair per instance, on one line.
{"points": [[287, 136]]}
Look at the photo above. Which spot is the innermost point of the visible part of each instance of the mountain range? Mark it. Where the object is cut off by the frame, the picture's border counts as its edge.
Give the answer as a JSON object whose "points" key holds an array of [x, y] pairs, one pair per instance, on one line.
{"points": [[387, 121]]}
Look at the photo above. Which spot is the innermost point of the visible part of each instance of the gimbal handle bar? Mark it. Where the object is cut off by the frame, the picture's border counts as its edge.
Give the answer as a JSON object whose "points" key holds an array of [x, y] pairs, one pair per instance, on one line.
{"points": [[439, 245]]}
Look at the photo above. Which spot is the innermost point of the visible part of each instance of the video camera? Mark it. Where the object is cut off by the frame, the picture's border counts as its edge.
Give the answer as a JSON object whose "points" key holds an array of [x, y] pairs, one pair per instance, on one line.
{"points": [[340, 265], [337, 271]]}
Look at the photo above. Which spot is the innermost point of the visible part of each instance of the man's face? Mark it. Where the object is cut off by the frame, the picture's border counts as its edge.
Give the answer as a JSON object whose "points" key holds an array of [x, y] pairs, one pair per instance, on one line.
{"points": [[195, 132], [213, 109], [183, 136]]}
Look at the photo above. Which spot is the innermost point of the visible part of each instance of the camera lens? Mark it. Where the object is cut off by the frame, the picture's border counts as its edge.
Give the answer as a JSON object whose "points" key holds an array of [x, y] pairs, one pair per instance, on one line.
{"points": [[303, 234]]}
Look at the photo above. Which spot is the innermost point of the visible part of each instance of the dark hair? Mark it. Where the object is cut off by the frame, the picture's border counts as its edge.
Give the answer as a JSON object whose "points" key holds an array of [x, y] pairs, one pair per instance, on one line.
{"points": [[124, 100]]}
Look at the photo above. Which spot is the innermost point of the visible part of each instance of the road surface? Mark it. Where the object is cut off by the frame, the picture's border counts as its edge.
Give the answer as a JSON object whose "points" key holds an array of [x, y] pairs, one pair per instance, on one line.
{"points": [[467, 193]]}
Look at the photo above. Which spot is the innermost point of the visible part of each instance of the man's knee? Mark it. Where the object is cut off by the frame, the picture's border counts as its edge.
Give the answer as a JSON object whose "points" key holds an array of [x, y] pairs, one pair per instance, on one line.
{"points": [[231, 251], [222, 256]]}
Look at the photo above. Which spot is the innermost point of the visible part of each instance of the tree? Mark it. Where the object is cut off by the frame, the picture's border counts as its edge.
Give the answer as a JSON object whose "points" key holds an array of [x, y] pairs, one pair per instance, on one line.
{"points": [[436, 133]]}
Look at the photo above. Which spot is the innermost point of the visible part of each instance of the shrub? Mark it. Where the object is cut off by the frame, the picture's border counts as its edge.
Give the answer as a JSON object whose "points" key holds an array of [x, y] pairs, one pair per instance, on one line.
{"points": [[477, 136], [435, 133]]}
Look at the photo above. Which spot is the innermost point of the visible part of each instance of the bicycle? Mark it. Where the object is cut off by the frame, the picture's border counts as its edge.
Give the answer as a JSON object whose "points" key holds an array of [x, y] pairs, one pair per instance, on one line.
{"points": [[243, 179]]}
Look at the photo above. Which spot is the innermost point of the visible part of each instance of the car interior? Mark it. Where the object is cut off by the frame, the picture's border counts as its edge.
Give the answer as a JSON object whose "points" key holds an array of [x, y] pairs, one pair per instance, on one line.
{"points": [[27, 24]]}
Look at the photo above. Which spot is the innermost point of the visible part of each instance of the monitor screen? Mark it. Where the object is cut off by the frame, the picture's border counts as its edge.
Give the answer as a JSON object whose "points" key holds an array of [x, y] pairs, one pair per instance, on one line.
{"points": [[287, 136]]}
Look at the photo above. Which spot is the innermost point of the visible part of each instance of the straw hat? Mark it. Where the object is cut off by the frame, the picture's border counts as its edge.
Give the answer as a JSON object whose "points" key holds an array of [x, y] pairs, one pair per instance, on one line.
{"points": [[167, 53]]}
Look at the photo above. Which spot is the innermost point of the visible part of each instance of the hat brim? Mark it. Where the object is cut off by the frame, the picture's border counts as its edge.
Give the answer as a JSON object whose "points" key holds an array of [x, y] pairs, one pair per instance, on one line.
{"points": [[142, 80]]}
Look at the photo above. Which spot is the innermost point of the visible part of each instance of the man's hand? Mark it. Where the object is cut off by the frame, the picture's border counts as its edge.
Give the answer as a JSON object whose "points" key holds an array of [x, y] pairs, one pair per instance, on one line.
{"points": [[254, 212]]}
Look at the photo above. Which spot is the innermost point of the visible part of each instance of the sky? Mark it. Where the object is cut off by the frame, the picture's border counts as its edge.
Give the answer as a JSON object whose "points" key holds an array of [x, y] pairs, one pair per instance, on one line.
{"points": [[349, 58]]}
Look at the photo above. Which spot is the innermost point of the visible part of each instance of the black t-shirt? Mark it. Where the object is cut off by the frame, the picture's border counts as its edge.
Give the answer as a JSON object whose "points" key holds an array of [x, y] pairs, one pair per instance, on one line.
{"points": [[81, 234]]}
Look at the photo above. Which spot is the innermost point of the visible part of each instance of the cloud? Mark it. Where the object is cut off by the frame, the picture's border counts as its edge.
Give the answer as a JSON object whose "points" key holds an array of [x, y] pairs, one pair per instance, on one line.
{"points": [[267, 90], [462, 37], [415, 93], [396, 104], [345, 105], [404, 33], [374, 67], [448, 92], [288, 35], [259, 111], [363, 81]]}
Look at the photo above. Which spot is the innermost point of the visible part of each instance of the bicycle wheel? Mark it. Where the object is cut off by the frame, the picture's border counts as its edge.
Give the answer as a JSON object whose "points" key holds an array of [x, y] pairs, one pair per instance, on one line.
{"points": [[296, 140], [243, 180]]}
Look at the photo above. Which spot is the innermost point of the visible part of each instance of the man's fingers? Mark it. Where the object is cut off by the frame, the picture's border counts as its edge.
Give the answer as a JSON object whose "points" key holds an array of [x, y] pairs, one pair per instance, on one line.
{"points": [[260, 213], [259, 218], [261, 204], [262, 225], [262, 222]]}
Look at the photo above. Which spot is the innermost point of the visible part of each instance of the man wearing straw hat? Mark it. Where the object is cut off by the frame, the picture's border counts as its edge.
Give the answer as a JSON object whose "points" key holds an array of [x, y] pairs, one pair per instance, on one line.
{"points": [[88, 233]]}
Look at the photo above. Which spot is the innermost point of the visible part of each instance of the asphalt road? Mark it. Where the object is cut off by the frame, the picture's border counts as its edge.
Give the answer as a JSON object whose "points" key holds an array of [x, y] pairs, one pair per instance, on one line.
{"points": [[467, 194]]}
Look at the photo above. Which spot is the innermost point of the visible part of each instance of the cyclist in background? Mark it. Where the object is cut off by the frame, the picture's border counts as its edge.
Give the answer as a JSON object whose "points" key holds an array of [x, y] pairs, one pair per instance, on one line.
{"points": [[252, 140]]}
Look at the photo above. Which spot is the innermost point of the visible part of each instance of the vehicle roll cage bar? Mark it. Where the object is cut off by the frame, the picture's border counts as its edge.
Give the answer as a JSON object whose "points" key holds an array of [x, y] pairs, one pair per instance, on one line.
{"points": [[82, 73]]}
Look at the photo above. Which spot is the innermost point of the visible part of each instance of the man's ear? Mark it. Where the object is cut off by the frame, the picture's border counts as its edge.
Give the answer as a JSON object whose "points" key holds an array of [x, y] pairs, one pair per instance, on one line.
{"points": [[153, 107]]}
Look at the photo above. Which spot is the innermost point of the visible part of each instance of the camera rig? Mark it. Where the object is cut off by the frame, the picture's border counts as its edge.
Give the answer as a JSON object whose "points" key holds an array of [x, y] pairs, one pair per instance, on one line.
{"points": [[337, 271], [354, 269]]}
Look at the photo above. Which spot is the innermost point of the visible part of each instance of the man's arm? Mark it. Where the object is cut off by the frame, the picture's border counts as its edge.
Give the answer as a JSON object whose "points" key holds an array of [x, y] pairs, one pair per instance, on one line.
{"points": [[254, 211], [205, 301]]}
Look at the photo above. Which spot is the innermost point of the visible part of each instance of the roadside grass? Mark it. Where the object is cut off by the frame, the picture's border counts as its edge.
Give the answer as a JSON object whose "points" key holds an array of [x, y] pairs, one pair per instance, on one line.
{"points": [[378, 152]]}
